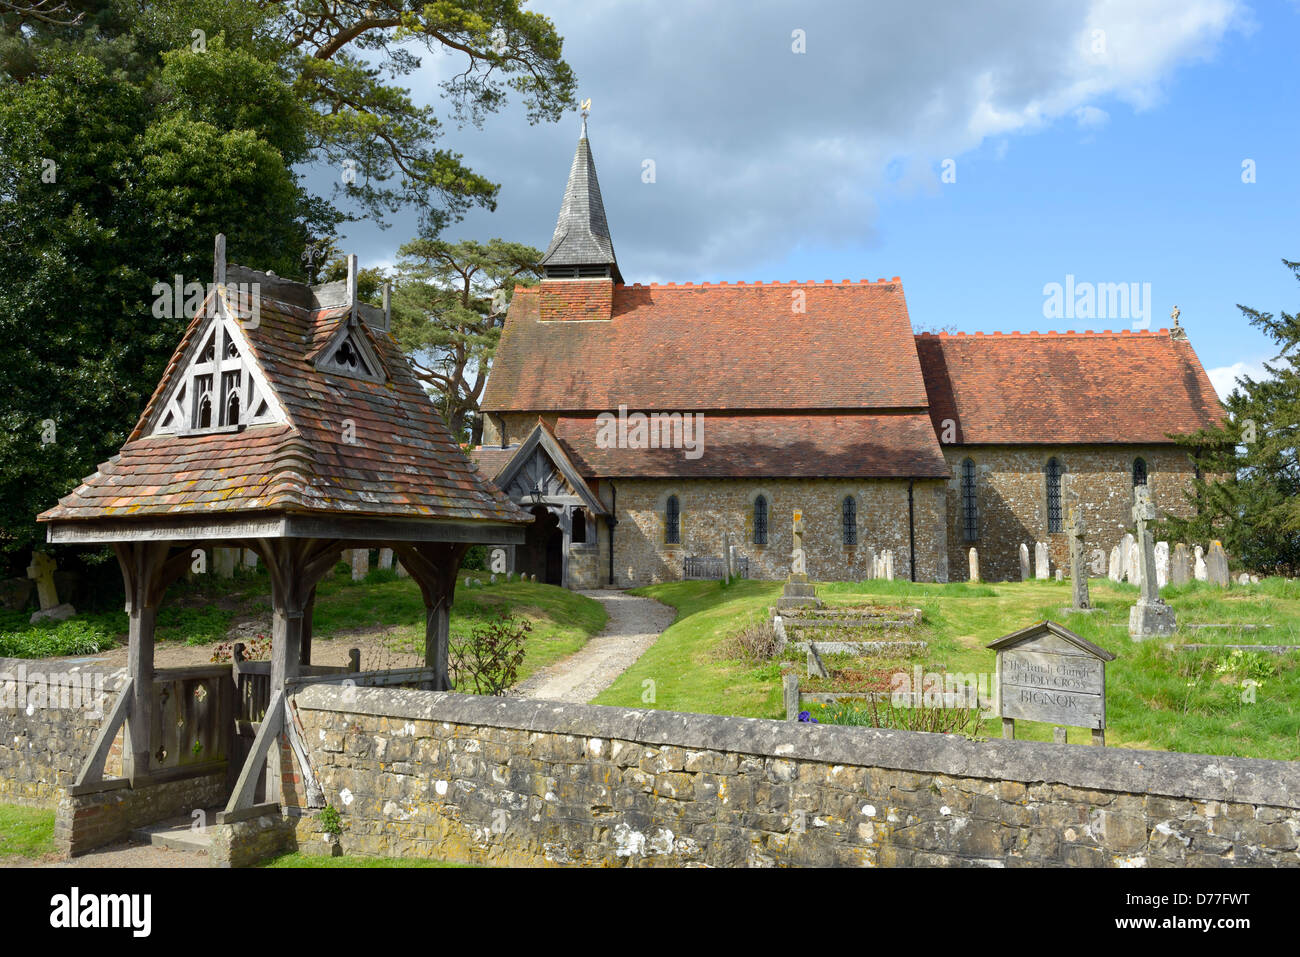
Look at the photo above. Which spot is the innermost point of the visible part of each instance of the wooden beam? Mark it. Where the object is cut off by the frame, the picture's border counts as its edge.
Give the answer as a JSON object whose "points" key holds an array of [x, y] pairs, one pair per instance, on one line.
{"points": [[92, 769], [267, 735], [246, 528]]}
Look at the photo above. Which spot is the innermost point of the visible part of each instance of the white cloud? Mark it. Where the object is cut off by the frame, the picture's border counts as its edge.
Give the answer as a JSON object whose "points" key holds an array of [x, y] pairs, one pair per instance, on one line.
{"points": [[1224, 378], [1090, 117]]}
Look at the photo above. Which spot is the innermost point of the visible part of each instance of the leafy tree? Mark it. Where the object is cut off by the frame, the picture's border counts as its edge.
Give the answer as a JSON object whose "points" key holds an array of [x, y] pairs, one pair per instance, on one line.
{"points": [[448, 309], [1247, 490]]}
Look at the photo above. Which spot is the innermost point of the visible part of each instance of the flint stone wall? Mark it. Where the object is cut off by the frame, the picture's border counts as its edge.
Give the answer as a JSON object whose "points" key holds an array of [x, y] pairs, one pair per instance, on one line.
{"points": [[517, 782]]}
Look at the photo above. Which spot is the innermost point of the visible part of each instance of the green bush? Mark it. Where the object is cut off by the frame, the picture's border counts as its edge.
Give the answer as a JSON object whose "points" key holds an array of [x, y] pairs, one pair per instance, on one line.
{"points": [[77, 636]]}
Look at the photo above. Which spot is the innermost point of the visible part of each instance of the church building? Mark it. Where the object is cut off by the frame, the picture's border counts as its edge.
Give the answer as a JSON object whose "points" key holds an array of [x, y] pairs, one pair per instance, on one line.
{"points": [[643, 425]]}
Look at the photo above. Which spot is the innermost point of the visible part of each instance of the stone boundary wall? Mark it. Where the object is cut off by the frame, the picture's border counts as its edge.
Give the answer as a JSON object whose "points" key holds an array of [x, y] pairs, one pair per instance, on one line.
{"points": [[517, 782], [44, 742]]}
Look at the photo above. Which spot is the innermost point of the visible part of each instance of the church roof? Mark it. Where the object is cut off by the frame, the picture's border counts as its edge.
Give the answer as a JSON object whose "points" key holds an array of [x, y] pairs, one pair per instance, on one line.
{"points": [[776, 346], [861, 445], [346, 446], [582, 233], [1066, 388]]}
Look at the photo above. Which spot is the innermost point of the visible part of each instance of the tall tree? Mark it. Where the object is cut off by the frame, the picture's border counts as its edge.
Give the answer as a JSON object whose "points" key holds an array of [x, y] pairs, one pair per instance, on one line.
{"points": [[1247, 490], [449, 307]]}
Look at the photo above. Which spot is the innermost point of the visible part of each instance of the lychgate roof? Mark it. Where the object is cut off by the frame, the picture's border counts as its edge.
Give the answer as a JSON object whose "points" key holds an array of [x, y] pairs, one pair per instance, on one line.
{"points": [[349, 444]]}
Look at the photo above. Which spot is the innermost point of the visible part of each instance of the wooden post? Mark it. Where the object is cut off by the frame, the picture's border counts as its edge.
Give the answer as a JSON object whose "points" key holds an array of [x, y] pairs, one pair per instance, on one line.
{"points": [[1059, 736], [433, 565], [1009, 728], [308, 611], [354, 660], [1099, 737]]}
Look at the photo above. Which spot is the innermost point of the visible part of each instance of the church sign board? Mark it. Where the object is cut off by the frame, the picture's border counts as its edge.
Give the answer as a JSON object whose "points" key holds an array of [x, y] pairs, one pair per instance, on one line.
{"points": [[1048, 673]]}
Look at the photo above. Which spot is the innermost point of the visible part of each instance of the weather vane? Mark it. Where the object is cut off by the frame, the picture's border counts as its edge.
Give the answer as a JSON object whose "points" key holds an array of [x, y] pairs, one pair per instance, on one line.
{"points": [[309, 256]]}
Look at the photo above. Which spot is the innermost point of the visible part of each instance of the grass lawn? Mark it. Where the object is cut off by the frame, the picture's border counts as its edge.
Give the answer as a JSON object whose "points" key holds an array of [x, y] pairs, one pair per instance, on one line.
{"points": [[314, 860], [1157, 698], [26, 832]]}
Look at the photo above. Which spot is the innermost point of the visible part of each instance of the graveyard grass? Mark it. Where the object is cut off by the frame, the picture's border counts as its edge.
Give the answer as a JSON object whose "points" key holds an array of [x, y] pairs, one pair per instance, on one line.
{"points": [[26, 832], [201, 614], [1156, 698]]}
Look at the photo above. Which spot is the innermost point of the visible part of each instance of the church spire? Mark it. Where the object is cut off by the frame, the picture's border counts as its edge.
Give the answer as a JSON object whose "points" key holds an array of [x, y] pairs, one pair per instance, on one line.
{"points": [[581, 246]]}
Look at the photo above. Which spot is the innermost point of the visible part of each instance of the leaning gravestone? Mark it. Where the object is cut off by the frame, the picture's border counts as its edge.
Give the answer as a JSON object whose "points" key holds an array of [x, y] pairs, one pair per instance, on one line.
{"points": [[1042, 564], [1150, 616], [1180, 565], [1200, 572], [1115, 570], [1024, 562], [1048, 673], [1216, 565]]}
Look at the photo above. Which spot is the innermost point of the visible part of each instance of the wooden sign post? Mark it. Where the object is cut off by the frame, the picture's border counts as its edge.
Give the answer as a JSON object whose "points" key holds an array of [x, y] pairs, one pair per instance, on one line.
{"points": [[1048, 673]]}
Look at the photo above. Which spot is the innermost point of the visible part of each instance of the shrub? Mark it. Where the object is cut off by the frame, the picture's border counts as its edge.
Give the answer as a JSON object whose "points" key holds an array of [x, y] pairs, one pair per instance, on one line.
{"points": [[255, 649], [76, 636], [757, 641], [880, 712], [487, 662]]}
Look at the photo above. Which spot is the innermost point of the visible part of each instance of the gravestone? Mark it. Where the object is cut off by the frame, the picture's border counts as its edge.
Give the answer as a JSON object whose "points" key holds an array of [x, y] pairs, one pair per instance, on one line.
{"points": [[360, 564], [224, 561], [1162, 564], [1243, 579], [1199, 571], [1135, 567], [1125, 556], [41, 571], [726, 555], [1216, 565], [1079, 598], [1024, 562], [1048, 673], [889, 564], [1180, 565], [1115, 570], [402, 572], [973, 558], [1060, 574], [798, 591], [492, 579], [385, 558], [1042, 564], [250, 558], [816, 667], [1150, 616], [872, 570]]}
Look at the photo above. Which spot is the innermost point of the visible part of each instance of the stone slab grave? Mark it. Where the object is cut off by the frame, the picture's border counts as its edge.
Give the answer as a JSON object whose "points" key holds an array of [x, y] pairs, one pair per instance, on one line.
{"points": [[1150, 616], [867, 621], [1048, 673], [799, 591], [41, 571]]}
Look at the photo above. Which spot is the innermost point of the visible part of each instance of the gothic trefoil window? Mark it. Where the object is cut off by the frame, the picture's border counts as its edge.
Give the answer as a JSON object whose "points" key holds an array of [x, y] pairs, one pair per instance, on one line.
{"points": [[969, 505], [1053, 473], [760, 521], [673, 521], [849, 519]]}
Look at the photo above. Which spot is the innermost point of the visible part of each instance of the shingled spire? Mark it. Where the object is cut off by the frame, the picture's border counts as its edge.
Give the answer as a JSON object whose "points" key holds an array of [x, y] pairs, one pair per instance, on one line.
{"points": [[581, 247]]}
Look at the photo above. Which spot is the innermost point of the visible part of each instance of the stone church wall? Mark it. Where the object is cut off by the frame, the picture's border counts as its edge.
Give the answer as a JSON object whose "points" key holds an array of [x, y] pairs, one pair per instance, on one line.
{"points": [[1011, 490]]}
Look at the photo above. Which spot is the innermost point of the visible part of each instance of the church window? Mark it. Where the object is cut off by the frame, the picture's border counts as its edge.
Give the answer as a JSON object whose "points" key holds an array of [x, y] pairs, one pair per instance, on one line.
{"points": [[1139, 472], [969, 505], [760, 521], [579, 521], [849, 516], [673, 521], [1053, 495]]}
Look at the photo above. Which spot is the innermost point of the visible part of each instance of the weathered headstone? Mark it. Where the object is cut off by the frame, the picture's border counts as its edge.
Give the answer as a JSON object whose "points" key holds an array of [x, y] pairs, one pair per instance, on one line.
{"points": [[726, 555], [1060, 574], [1042, 564], [1126, 546], [889, 564], [41, 571], [360, 564], [1048, 673], [816, 667], [1135, 568], [1180, 565], [1243, 578], [1199, 571], [973, 559], [224, 561], [1115, 570], [492, 579], [403, 573], [1079, 598], [873, 570], [385, 558], [1216, 565], [1150, 616], [1162, 564], [250, 558], [1024, 562]]}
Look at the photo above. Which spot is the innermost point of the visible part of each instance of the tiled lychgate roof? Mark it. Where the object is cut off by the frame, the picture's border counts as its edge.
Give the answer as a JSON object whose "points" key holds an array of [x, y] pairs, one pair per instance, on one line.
{"points": [[777, 346], [830, 445], [349, 445], [1066, 388]]}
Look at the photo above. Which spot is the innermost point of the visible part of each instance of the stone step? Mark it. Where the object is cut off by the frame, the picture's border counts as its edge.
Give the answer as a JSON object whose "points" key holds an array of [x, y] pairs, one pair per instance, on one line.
{"points": [[179, 833]]}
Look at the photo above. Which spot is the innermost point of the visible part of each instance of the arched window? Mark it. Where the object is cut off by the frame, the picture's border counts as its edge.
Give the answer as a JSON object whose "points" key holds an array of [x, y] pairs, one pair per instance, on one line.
{"points": [[1139, 472], [760, 521], [673, 521], [969, 506], [849, 515], [232, 409], [1053, 473], [578, 523]]}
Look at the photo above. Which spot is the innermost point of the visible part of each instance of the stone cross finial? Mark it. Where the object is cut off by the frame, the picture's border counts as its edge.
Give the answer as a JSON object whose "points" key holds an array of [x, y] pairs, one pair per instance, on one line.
{"points": [[1174, 316], [1143, 510], [41, 571]]}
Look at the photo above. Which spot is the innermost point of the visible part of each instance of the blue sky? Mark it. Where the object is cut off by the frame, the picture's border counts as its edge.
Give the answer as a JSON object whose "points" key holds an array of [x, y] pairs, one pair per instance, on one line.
{"points": [[1102, 140]]}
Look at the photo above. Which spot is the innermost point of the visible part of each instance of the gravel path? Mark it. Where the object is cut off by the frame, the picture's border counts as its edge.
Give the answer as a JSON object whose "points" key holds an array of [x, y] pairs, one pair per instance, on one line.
{"points": [[118, 855], [634, 625]]}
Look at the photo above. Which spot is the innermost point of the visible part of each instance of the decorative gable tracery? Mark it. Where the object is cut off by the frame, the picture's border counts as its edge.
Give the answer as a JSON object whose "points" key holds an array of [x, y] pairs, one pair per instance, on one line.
{"points": [[219, 389]]}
